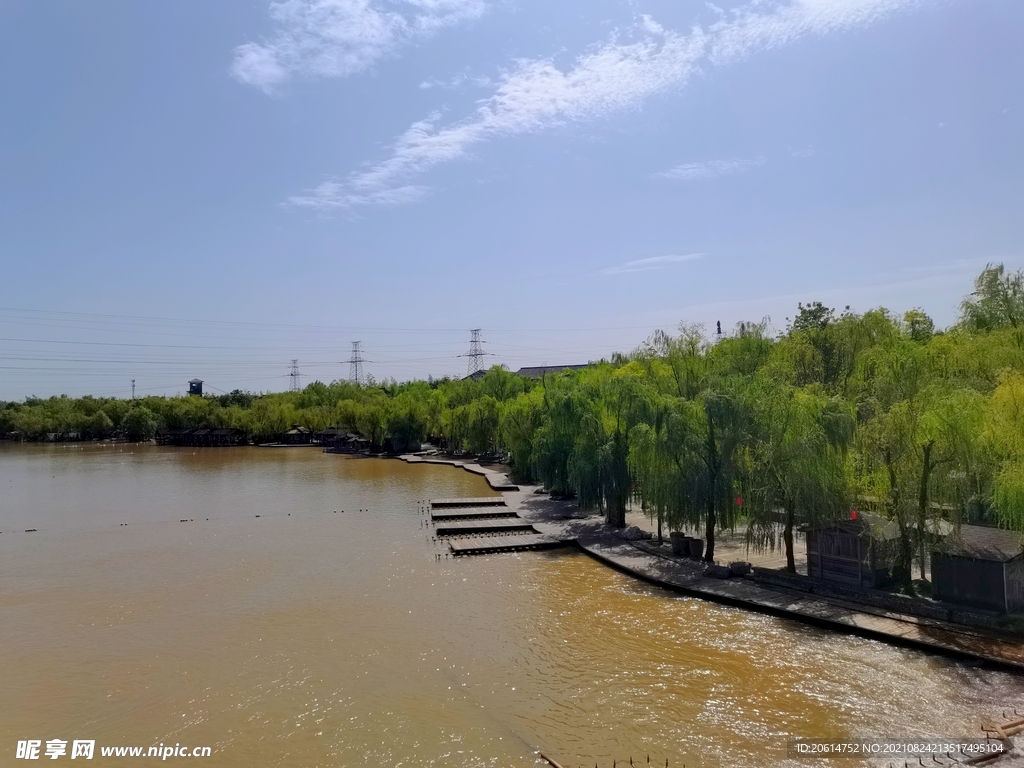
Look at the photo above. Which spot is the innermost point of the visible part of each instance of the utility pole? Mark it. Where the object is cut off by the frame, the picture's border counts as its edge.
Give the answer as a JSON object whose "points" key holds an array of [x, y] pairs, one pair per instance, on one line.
{"points": [[133, 389], [294, 376], [476, 352], [355, 364]]}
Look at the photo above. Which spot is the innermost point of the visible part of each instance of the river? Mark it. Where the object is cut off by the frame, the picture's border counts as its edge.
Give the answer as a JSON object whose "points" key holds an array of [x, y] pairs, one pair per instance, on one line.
{"points": [[300, 618]]}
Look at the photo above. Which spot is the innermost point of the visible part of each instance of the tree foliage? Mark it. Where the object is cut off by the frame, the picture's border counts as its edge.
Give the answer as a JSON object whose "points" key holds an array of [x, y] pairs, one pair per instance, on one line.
{"points": [[922, 425]]}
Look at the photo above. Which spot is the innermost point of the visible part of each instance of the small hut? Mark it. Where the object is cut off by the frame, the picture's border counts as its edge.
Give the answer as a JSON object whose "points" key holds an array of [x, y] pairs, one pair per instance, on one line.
{"points": [[980, 567], [852, 553], [195, 387], [328, 436], [348, 443], [297, 435]]}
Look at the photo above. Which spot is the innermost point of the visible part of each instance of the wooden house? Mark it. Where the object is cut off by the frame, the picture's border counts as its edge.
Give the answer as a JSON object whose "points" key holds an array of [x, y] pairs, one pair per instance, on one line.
{"points": [[980, 567], [854, 553], [297, 435], [347, 443]]}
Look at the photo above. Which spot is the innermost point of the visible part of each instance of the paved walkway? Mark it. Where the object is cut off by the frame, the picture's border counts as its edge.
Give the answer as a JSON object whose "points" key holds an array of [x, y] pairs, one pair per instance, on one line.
{"points": [[496, 479], [647, 561]]}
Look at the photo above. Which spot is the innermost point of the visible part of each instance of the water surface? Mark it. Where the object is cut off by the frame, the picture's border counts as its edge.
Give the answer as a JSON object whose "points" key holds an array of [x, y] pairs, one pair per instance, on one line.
{"points": [[325, 633]]}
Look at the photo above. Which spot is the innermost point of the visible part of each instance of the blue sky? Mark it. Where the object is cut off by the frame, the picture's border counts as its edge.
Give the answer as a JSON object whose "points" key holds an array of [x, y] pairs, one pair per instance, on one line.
{"points": [[212, 189]]}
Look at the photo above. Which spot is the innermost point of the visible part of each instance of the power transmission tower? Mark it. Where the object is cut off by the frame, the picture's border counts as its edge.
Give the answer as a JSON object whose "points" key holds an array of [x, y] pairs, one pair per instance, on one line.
{"points": [[133, 389], [355, 364], [294, 377], [476, 352]]}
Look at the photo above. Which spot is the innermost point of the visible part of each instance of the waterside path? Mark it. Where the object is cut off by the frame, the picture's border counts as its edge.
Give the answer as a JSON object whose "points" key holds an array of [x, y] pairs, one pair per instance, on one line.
{"points": [[645, 560]]}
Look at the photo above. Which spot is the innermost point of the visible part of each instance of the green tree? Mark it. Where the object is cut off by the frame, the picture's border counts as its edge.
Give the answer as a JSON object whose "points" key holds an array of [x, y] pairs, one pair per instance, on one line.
{"points": [[996, 302], [140, 423], [795, 463]]}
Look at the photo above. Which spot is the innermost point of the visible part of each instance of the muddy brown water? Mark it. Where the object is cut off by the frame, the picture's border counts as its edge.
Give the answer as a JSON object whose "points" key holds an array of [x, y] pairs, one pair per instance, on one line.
{"points": [[309, 637]]}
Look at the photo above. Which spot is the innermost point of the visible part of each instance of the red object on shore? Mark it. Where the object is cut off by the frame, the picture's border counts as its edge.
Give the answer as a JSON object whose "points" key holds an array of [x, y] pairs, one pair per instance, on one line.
{"points": [[739, 501], [853, 514]]}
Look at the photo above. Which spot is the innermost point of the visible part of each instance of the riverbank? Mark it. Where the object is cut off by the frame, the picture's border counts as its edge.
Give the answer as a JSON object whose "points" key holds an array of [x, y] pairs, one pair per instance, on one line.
{"points": [[656, 565], [288, 633], [498, 481]]}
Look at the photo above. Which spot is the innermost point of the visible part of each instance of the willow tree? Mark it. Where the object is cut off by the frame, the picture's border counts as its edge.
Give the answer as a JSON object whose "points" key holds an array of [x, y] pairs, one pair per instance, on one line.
{"points": [[950, 468], [709, 393], [555, 438], [1004, 434], [795, 463], [650, 463], [701, 441], [610, 405], [520, 420], [664, 460], [996, 302], [722, 428]]}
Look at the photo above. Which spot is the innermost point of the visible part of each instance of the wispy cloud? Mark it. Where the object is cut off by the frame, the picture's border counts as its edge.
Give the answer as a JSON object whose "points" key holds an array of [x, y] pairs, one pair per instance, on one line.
{"points": [[711, 169], [613, 77], [650, 264], [337, 38], [458, 82]]}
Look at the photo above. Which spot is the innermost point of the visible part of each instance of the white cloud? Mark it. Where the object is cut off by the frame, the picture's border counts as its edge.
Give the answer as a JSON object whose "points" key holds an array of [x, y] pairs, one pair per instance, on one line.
{"points": [[457, 82], [652, 263], [337, 38], [711, 168], [613, 77]]}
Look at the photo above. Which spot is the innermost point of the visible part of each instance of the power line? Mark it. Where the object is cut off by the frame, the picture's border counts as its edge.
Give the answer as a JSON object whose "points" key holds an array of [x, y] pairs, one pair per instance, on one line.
{"points": [[367, 329]]}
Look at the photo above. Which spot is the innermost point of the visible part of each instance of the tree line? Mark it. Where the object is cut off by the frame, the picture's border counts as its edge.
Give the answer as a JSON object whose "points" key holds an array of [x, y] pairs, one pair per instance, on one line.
{"points": [[774, 431]]}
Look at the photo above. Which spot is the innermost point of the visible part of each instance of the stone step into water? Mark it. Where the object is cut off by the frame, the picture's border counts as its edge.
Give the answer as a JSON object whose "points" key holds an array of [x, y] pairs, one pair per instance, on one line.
{"points": [[464, 527], [495, 544], [483, 501], [468, 513]]}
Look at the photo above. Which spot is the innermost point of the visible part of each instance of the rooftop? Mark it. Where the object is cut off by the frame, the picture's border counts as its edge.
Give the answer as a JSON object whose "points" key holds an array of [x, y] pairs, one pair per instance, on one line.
{"points": [[985, 543], [536, 371]]}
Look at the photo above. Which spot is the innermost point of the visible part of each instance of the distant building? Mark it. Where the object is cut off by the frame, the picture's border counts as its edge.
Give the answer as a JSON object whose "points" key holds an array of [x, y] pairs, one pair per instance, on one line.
{"points": [[328, 436], [537, 371], [347, 443], [980, 567], [297, 435], [195, 387], [202, 437], [854, 553]]}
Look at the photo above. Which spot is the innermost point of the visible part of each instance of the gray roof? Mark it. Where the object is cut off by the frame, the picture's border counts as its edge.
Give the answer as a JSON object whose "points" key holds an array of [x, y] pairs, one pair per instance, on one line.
{"points": [[984, 543], [536, 371], [865, 524]]}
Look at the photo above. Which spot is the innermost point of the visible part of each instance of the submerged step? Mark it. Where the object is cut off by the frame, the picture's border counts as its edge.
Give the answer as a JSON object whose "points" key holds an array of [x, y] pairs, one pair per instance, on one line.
{"points": [[493, 544], [482, 501], [468, 513], [463, 527]]}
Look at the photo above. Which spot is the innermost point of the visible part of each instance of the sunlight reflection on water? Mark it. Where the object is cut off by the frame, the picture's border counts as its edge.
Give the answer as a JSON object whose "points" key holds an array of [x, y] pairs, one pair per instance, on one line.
{"points": [[320, 635]]}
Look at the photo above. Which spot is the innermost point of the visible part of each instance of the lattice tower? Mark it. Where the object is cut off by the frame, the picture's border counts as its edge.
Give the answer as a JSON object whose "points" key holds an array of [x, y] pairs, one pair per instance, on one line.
{"points": [[355, 364], [476, 352]]}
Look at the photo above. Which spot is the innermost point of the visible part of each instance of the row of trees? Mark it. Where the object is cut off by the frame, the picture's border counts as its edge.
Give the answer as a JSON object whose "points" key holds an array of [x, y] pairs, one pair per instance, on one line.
{"points": [[774, 431]]}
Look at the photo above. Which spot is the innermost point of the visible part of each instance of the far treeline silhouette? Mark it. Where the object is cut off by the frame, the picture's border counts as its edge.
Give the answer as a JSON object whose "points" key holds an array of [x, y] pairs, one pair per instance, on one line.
{"points": [[840, 411]]}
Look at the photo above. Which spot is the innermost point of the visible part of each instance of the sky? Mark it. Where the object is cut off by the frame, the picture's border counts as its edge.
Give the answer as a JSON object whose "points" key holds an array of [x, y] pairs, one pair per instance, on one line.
{"points": [[195, 189]]}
